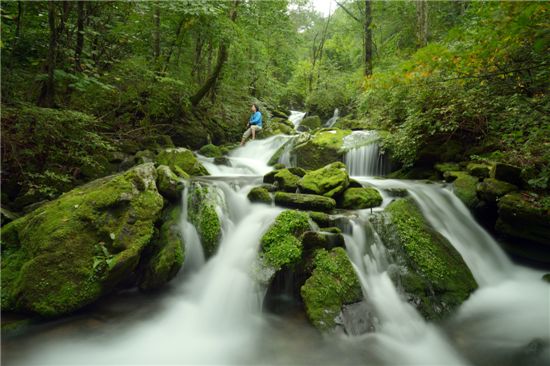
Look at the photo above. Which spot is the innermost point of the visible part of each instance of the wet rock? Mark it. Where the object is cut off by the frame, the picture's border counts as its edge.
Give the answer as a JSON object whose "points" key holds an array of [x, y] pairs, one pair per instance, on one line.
{"points": [[270, 177], [321, 149], [320, 218], [360, 198], [222, 160], [329, 181], [479, 170], [318, 239], [305, 201], [286, 181], [357, 318], [507, 173], [465, 188], [181, 161], [169, 184], [202, 203], [211, 151], [490, 190], [259, 194], [311, 122]]}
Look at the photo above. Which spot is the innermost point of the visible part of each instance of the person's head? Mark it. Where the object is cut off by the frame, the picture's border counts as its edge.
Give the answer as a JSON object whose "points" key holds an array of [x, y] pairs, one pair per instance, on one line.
{"points": [[254, 108]]}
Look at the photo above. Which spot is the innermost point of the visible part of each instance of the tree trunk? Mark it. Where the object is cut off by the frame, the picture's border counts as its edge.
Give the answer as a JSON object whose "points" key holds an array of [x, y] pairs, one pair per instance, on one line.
{"points": [[173, 45], [368, 39], [47, 94], [422, 23], [79, 36], [156, 32], [223, 54]]}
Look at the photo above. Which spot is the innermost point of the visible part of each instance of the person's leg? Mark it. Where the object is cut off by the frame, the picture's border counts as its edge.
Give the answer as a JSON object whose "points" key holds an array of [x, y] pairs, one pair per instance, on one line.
{"points": [[246, 134], [253, 132]]}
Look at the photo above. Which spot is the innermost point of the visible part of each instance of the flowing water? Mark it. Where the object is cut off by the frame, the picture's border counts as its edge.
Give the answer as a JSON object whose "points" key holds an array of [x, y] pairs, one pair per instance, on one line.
{"points": [[364, 156], [333, 119], [211, 313]]}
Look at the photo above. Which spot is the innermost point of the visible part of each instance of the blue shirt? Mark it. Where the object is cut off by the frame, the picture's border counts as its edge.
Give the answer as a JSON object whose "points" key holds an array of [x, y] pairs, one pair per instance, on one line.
{"points": [[256, 119]]}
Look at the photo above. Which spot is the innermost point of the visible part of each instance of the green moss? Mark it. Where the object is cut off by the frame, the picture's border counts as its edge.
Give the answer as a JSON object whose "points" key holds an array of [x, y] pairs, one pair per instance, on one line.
{"points": [[491, 189], [524, 215], [286, 181], [169, 184], [437, 273], [280, 244], [323, 148], [311, 122], [211, 151], [360, 198], [329, 181], [167, 252], [305, 201], [479, 170], [259, 194], [332, 284], [181, 159], [320, 218], [465, 188], [70, 251], [446, 167], [270, 177], [202, 213]]}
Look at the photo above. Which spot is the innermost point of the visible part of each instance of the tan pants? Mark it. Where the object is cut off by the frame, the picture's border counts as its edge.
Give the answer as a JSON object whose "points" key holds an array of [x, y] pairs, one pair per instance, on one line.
{"points": [[248, 132]]}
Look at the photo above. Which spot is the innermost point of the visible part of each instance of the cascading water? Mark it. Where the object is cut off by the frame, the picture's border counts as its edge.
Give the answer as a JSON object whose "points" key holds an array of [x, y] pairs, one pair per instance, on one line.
{"points": [[333, 119], [364, 157], [296, 118]]}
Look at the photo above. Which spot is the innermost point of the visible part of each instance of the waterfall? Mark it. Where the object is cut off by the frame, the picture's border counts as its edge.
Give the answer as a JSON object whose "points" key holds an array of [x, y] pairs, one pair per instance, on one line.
{"points": [[194, 255], [363, 156], [333, 119], [296, 118]]}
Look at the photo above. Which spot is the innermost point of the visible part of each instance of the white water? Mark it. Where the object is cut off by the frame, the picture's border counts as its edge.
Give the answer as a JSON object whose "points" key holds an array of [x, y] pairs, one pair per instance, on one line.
{"points": [[333, 119], [364, 157], [296, 118], [211, 313]]}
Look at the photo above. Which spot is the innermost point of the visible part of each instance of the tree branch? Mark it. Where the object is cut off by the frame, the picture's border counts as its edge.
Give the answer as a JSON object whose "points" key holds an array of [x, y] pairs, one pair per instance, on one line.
{"points": [[348, 12]]}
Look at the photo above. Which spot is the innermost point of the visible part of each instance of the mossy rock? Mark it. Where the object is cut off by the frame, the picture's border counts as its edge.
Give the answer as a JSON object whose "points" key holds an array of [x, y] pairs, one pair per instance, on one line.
{"points": [[182, 161], [169, 184], [524, 215], [279, 166], [276, 127], [297, 171], [490, 190], [507, 173], [305, 201], [222, 160], [270, 177], [202, 204], [311, 122], [479, 170], [546, 277], [353, 124], [259, 194], [360, 198], [144, 156], [322, 239], [286, 181], [465, 188], [75, 249], [332, 284], [281, 245], [167, 252], [211, 151], [321, 218], [446, 167], [329, 181], [321, 149], [433, 274]]}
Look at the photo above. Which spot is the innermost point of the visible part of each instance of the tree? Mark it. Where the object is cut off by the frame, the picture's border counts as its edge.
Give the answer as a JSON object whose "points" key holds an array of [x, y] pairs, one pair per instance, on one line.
{"points": [[421, 23], [47, 94]]}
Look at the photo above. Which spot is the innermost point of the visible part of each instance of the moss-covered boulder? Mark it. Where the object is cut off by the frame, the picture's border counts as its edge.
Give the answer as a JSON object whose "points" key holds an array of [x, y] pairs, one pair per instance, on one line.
{"points": [[442, 168], [432, 273], [322, 239], [181, 161], [507, 173], [311, 122], [71, 251], [321, 218], [165, 254], [333, 283], [281, 245], [465, 188], [286, 181], [490, 190], [144, 156], [211, 151], [360, 198], [479, 170], [525, 216], [169, 184], [305, 201], [259, 194], [329, 181], [321, 149], [270, 177], [204, 205], [276, 126]]}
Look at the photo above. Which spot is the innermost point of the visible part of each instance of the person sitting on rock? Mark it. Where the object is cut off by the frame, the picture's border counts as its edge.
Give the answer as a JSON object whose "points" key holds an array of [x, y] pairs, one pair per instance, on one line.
{"points": [[254, 124]]}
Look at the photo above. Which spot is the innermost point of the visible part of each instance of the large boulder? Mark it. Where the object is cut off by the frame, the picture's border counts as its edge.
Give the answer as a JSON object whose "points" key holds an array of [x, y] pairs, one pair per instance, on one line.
{"points": [[311, 122], [181, 161], [286, 181], [329, 181], [360, 198], [524, 216], [332, 284], [276, 126], [432, 274], [166, 252], [507, 173], [71, 251], [211, 151], [281, 245], [321, 149], [204, 210], [465, 188], [305, 201], [259, 194]]}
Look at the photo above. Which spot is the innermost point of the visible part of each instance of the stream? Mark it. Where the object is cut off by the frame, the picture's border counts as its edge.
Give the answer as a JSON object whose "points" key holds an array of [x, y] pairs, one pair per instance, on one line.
{"points": [[211, 313]]}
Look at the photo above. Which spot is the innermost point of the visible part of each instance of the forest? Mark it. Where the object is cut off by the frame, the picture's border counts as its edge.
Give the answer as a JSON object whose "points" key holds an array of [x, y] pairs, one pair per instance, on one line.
{"points": [[419, 129]]}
